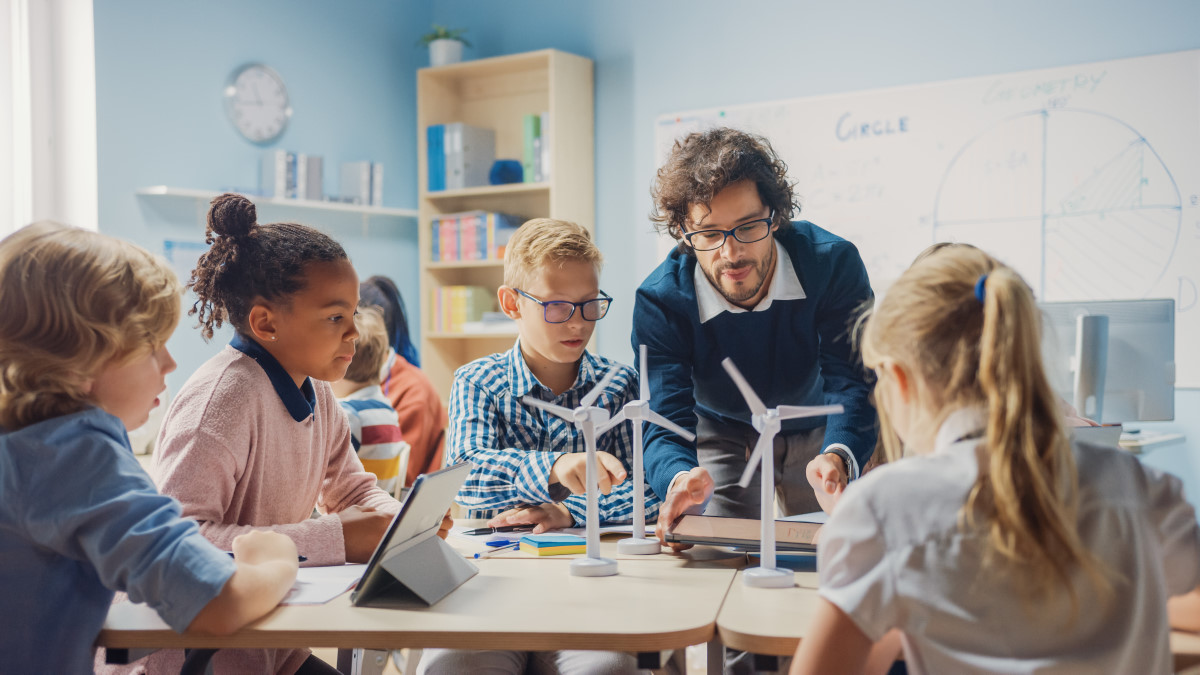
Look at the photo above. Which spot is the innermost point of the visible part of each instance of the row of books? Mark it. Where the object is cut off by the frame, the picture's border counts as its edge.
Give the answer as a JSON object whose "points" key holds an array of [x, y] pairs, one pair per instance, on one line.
{"points": [[296, 175], [459, 155], [472, 235], [535, 159], [454, 306]]}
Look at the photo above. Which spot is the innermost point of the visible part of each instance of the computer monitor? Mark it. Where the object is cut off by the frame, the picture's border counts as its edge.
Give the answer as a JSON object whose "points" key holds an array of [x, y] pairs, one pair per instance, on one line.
{"points": [[1115, 360]]}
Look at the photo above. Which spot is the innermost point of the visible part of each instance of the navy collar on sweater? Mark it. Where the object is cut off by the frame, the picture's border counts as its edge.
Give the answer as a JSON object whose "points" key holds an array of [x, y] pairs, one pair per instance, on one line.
{"points": [[300, 402]]}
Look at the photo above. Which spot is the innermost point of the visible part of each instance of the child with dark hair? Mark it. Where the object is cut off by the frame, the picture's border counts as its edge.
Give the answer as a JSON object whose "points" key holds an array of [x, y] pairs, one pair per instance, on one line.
{"points": [[422, 413], [255, 437]]}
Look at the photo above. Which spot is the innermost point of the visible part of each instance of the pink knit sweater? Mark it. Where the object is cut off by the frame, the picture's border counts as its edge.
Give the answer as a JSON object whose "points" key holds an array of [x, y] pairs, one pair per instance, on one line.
{"points": [[236, 460]]}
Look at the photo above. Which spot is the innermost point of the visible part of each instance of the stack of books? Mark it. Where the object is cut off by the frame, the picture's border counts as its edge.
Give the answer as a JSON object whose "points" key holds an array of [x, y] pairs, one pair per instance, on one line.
{"points": [[553, 544], [362, 183], [535, 160], [458, 156], [472, 235], [454, 306], [292, 175]]}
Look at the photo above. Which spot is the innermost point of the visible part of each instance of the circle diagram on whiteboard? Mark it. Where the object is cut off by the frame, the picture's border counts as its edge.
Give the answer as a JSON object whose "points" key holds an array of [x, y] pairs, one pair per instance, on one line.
{"points": [[1077, 201]]}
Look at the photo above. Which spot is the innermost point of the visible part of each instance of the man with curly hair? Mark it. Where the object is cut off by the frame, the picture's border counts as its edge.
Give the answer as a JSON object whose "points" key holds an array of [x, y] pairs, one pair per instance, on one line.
{"points": [[776, 296]]}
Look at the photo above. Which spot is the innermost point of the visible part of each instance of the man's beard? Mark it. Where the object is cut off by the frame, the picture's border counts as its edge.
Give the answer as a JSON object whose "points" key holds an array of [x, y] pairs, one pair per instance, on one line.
{"points": [[746, 291]]}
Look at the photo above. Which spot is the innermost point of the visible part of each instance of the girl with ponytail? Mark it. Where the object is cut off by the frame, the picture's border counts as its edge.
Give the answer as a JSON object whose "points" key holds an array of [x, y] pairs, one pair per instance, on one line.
{"points": [[255, 439], [992, 542]]}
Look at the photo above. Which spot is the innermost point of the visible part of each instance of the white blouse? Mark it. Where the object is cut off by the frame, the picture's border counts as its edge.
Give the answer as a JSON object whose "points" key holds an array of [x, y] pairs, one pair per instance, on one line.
{"points": [[893, 555]]}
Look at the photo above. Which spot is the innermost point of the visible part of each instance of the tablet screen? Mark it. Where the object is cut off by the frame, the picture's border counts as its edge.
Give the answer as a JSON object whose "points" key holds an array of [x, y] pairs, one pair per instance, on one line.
{"points": [[743, 532]]}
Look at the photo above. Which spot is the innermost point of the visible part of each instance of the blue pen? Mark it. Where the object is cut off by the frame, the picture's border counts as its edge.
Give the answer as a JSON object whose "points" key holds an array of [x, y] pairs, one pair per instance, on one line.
{"points": [[502, 542], [299, 557], [496, 550]]}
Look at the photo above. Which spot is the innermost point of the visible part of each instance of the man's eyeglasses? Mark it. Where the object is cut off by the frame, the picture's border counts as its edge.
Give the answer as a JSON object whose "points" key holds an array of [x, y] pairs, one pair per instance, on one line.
{"points": [[747, 233], [561, 311]]}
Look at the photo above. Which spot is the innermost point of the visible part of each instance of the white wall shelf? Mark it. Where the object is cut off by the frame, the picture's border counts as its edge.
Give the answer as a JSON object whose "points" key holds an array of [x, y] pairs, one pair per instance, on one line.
{"points": [[208, 195]]}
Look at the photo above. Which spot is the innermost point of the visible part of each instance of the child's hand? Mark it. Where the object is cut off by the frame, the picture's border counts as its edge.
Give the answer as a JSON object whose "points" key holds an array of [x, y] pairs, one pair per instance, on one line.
{"points": [[827, 475], [362, 528], [571, 469], [543, 517], [259, 546], [447, 523]]}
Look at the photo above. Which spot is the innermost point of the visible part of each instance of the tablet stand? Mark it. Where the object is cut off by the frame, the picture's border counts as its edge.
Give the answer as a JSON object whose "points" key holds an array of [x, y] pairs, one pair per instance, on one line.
{"points": [[425, 569]]}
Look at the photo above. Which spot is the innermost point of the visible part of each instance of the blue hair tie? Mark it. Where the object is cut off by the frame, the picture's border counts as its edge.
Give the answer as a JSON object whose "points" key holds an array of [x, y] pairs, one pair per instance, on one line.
{"points": [[979, 290]]}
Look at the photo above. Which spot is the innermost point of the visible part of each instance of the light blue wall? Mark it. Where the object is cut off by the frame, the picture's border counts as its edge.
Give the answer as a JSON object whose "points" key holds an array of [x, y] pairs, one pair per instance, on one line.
{"points": [[350, 70], [659, 57]]}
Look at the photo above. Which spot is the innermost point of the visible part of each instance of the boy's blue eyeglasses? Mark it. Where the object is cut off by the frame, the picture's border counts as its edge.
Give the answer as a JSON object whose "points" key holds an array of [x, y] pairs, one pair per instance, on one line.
{"points": [[561, 311], [747, 233]]}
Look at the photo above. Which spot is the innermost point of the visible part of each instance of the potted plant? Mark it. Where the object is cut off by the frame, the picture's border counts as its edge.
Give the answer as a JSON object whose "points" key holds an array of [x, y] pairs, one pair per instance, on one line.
{"points": [[445, 45]]}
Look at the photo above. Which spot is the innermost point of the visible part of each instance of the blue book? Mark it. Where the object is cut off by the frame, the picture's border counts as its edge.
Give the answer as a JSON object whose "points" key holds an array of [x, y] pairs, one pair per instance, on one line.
{"points": [[435, 154]]}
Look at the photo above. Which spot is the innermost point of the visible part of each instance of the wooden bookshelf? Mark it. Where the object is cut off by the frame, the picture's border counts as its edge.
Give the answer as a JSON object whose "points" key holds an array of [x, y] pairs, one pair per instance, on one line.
{"points": [[497, 93]]}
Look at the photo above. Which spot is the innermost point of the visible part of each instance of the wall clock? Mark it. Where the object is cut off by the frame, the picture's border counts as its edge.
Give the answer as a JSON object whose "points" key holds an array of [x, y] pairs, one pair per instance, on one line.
{"points": [[257, 103]]}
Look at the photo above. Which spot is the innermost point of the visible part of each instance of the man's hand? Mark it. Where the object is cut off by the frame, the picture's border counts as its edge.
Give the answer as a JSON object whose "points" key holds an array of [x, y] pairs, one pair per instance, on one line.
{"points": [[543, 517], [447, 523], [571, 471], [828, 475], [688, 491], [362, 528]]}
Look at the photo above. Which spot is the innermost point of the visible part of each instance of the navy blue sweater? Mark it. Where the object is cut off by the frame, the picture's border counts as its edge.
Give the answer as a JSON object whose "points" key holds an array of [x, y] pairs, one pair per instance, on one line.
{"points": [[797, 352]]}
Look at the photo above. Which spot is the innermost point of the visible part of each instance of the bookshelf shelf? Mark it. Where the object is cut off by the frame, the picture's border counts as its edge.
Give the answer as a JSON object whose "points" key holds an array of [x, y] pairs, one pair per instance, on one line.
{"points": [[467, 265], [208, 195], [475, 335], [497, 93], [487, 191]]}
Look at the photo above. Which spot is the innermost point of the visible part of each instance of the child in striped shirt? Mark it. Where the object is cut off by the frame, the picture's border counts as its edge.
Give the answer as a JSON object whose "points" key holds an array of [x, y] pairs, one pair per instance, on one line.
{"points": [[374, 424]]}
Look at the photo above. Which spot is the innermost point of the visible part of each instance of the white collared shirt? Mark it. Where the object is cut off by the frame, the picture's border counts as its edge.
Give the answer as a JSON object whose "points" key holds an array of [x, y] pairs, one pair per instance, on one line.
{"points": [[894, 555], [785, 285]]}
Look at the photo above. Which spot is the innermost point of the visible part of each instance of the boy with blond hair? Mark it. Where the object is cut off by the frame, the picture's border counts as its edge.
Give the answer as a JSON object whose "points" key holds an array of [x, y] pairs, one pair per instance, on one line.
{"points": [[374, 424], [528, 465]]}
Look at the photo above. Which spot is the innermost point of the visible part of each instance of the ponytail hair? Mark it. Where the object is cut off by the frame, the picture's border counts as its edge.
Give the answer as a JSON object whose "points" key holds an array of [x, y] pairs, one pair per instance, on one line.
{"points": [[970, 329], [248, 262], [379, 291]]}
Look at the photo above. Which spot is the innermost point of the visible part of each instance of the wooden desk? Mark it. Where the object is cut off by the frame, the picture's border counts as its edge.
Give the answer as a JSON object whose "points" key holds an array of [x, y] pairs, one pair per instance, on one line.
{"points": [[531, 605], [773, 621]]}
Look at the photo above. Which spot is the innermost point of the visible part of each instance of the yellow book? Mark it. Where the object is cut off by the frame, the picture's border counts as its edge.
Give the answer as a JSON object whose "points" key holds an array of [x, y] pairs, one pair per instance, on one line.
{"points": [[553, 544]]}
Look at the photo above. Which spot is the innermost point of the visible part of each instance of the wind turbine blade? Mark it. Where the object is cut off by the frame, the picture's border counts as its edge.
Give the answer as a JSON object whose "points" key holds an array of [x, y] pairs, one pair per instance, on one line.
{"points": [[752, 399], [565, 413], [642, 372], [655, 418], [790, 412], [763, 445], [614, 421], [596, 390]]}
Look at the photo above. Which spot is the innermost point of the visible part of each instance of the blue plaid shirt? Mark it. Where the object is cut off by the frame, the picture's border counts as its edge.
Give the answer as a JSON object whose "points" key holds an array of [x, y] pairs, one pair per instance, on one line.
{"points": [[513, 445]]}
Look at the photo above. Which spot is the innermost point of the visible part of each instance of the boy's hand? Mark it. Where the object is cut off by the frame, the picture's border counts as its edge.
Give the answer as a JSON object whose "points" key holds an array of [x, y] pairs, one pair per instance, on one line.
{"points": [[362, 528], [687, 491], [447, 523], [571, 471], [259, 546], [827, 474], [543, 517]]}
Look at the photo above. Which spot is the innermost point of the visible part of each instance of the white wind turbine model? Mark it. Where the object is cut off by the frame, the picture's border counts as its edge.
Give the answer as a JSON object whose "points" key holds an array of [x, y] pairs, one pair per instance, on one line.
{"points": [[768, 423], [586, 418], [637, 412]]}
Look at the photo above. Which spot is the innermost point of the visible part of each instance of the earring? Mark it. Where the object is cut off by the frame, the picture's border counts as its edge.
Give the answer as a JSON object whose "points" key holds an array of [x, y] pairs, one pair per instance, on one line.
{"points": [[272, 337]]}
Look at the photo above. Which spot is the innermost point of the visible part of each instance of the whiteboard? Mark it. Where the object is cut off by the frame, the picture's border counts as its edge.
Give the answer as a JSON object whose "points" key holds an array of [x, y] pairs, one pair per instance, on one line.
{"points": [[1086, 179]]}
